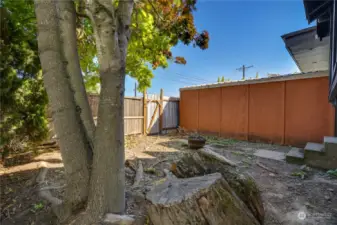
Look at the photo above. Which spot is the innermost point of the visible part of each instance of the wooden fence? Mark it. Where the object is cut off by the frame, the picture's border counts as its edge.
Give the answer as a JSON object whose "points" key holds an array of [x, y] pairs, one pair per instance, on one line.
{"points": [[289, 110], [161, 113]]}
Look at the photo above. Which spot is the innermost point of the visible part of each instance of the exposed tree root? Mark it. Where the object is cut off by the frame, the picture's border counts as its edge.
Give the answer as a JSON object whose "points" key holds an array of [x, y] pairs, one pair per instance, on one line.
{"points": [[156, 163], [139, 174], [169, 174], [209, 153], [52, 188], [44, 192], [58, 206]]}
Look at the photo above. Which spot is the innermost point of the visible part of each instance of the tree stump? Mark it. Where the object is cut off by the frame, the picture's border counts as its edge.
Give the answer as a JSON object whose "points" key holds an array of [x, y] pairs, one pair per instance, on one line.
{"points": [[200, 200], [195, 163]]}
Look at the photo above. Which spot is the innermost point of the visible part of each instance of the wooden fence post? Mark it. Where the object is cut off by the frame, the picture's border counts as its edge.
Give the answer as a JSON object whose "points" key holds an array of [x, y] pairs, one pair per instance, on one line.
{"points": [[144, 113], [161, 109]]}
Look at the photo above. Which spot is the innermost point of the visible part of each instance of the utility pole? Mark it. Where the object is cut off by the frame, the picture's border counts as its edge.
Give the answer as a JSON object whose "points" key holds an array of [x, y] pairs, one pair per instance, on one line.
{"points": [[135, 89], [243, 69]]}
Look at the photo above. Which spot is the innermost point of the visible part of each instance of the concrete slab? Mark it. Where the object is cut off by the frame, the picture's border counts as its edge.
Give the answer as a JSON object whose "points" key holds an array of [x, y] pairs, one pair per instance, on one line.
{"points": [[332, 140], [323, 162], [330, 146], [270, 154], [295, 155], [314, 147]]}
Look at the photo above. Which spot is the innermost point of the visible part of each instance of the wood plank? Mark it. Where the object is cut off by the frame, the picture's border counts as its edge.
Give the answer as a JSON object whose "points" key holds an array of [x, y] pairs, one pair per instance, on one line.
{"points": [[152, 118], [134, 98], [144, 113], [161, 108]]}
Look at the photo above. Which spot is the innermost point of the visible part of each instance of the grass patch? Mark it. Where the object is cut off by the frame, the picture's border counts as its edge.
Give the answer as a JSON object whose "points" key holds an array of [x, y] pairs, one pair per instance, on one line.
{"points": [[238, 153], [220, 141], [332, 173], [37, 207], [300, 174], [150, 170]]}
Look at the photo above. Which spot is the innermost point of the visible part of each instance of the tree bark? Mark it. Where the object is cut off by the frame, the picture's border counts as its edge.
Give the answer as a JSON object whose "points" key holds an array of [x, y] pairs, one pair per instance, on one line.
{"points": [[107, 185], [107, 178], [67, 15], [69, 129], [204, 200]]}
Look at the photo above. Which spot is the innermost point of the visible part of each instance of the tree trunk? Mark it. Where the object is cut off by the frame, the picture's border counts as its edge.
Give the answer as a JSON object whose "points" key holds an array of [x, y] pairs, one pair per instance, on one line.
{"points": [[205, 200], [107, 185], [69, 129], [107, 178], [195, 163], [67, 14]]}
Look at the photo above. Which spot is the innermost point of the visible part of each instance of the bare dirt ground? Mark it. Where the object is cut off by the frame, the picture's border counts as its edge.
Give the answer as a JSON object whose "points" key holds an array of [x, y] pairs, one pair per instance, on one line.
{"points": [[286, 189]]}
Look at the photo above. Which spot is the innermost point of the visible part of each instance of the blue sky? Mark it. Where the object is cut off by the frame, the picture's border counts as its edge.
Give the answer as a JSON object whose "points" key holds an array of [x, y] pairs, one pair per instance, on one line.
{"points": [[241, 32]]}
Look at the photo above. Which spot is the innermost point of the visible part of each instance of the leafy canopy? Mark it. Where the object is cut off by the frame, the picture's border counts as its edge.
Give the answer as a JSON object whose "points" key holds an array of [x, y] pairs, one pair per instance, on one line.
{"points": [[157, 26]]}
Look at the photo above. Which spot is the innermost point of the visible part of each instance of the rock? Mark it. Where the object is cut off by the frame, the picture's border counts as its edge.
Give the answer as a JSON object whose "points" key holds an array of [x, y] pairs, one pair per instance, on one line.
{"points": [[198, 200], [309, 205], [272, 174], [195, 164], [275, 195], [330, 189], [327, 197]]}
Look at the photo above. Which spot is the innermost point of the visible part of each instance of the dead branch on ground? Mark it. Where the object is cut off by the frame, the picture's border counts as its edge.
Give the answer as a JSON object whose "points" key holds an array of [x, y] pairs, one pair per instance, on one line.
{"points": [[209, 153], [266, 168]]}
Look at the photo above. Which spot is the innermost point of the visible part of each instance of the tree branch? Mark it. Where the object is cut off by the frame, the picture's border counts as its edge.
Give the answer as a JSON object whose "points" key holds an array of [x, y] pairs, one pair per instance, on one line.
{"points": [[155, 10], [209, 153], [108, 7]]}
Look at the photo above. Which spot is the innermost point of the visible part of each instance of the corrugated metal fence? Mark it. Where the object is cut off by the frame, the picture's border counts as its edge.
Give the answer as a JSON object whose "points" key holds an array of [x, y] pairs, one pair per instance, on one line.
{"points": [[289, 110]]}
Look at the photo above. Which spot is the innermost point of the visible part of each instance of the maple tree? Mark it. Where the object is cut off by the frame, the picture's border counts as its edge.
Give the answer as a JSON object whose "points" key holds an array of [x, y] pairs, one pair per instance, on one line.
{"points": [[99, 42], [113, 39], [157, 26]]}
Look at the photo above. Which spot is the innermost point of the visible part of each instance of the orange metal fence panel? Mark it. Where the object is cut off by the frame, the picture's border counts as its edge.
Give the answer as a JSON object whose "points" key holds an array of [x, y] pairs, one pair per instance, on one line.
{"points": [[290, 112], [234, 117], [188, 114], [266, 112], [309, 116], [209, 110]]}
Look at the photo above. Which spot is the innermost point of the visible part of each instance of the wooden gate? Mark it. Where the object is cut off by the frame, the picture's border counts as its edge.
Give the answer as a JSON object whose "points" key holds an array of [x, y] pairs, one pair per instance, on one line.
{"points": [[161, 113], [154, 107]]}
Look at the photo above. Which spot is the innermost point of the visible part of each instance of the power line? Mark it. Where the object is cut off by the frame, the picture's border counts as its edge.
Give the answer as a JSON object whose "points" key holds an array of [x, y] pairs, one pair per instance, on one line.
{"points": [[177, 79], [194, 77], [243, 69], [173, 80]]}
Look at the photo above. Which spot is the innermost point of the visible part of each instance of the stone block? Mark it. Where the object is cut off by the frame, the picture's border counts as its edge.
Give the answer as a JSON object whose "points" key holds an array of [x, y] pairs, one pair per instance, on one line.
{"points": [[295, 155]]}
